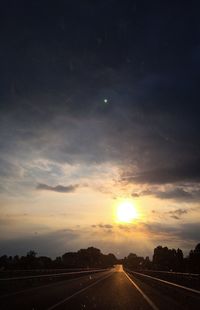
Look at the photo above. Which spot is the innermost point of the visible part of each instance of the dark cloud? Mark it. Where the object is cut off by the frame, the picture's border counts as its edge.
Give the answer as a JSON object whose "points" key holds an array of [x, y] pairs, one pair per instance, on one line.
{"points": [[135, 195], [190, 231], [52, 243], [107, 226], [146, 192], [58, 65], [104, 226], [182, 232], [188, 172], [185, 194], [176, 214], [127, 228], [160, 228], [177, 193], [9, 169], [57, 75], [58, 188]]}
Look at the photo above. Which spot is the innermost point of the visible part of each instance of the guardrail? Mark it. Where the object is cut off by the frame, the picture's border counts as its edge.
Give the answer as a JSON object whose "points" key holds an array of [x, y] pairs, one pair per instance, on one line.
{"points": [[16, 285], [186, 281], [172, 273], [54, 274], [2, 271]]}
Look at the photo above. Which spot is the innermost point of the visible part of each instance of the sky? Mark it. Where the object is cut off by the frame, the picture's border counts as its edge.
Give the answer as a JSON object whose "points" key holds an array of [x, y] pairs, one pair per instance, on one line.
{"points": [[99, 105]]}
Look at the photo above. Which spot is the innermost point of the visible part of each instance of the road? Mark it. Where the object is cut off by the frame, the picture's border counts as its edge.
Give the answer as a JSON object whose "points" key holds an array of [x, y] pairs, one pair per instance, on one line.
{"points": [[112, 289]]}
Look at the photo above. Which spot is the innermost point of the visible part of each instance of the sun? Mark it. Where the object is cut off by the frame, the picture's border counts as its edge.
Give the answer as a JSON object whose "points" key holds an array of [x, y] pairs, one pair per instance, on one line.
{"points": [[126, 212]]}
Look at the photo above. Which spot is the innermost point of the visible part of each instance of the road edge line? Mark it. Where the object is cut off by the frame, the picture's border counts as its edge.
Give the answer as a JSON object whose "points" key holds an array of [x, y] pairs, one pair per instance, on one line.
{"points": [[148, 300], [167, 282]]}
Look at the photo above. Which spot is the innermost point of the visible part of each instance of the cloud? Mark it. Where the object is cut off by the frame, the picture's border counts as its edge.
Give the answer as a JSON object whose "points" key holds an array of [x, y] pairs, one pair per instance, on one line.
{"points": [[52, 99], [178, 194], [176, 214], [190, 231], [52, 243], [107, 226], [180, 233], [189, 172], [104, 226], [135, 195], [58, 188], [146, 192], [62, 117], [185, 194], [150, 234]]}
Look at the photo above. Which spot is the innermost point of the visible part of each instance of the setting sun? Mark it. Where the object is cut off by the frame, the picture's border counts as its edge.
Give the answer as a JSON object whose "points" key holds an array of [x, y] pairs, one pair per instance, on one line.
{"points": [[126, 212]]}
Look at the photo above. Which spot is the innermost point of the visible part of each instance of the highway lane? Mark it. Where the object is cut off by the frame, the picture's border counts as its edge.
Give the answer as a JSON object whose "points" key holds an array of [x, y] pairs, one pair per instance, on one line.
{"points": [[123, 291], [115, 292], [167, 295], [14, 284], [42, 297], [107, 290]]}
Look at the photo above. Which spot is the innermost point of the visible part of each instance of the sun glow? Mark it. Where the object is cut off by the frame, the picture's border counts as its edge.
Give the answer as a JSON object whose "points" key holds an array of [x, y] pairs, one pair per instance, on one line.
{"points": [[126, 212]]}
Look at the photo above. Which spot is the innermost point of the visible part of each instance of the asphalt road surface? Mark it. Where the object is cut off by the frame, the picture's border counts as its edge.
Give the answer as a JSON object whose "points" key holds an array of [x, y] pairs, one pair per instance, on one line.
{"points": [[112, 289]]}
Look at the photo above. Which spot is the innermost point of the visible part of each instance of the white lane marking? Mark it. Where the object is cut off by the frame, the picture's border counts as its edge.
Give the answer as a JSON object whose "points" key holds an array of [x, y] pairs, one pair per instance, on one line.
{"points": [[149, 301], [169, 283], [79, 292], [47, 285], [52, 275]]}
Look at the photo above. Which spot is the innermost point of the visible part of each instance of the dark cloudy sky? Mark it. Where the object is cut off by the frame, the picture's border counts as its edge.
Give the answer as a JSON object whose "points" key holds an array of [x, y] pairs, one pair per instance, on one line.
{"points": [[99, 103]]}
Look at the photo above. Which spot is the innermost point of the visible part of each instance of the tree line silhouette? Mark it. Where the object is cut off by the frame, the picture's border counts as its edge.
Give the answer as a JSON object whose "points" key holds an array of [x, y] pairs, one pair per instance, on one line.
{"points": [[84, 258], [164, 259]]}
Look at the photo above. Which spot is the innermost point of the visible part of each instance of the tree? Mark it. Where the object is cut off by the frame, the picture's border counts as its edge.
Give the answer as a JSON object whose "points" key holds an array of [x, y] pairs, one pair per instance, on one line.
{"points": [[147, 264], [134, 262], [168, 259], [194, 259]]}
